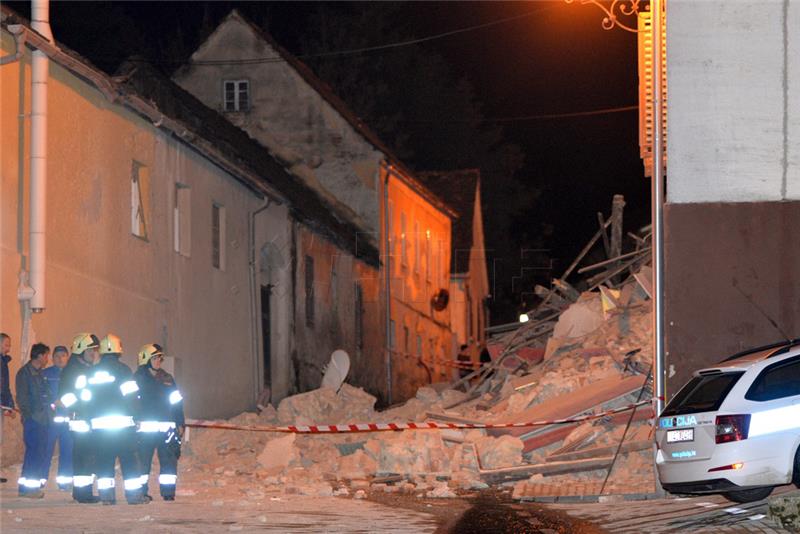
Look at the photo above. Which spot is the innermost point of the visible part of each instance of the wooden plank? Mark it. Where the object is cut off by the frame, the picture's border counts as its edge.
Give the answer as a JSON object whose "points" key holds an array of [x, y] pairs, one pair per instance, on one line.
{"points": [[574, 402], [451, 418], [503, 474], [596, 452]]}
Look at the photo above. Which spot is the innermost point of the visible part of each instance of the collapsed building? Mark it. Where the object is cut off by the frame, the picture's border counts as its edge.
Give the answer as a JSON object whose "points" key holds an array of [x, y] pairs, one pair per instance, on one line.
{"points": [[583, 353]]}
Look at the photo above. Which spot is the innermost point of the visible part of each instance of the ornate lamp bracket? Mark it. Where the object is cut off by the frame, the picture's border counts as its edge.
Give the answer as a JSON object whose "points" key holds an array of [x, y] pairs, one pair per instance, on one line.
{"points": [[617, 9]]}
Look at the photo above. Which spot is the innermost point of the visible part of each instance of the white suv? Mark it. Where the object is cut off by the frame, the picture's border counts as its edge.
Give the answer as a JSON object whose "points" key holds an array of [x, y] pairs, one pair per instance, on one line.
{"points": [[734, 428]]}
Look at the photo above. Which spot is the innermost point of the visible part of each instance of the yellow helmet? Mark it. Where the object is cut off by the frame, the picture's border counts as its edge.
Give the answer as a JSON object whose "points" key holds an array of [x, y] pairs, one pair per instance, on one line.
{"points": [[84, 341], [111, 344], [147, 352]]}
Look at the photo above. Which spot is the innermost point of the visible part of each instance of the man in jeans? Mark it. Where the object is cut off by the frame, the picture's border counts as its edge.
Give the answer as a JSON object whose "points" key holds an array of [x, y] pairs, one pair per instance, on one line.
{"points": [[58, 431], [33, 399]]}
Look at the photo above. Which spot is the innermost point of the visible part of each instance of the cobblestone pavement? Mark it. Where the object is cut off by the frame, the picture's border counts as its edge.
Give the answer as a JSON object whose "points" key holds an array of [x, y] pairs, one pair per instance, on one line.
{"points": [[197, 512], [711, 513]]}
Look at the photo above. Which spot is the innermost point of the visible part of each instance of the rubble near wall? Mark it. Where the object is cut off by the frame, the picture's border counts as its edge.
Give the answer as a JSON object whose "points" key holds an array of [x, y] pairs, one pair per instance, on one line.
{"points": [[584, 352]]}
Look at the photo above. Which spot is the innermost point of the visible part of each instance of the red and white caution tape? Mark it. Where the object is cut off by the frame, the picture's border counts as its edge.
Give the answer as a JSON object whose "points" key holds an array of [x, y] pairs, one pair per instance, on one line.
{"points": [[381, 427]]}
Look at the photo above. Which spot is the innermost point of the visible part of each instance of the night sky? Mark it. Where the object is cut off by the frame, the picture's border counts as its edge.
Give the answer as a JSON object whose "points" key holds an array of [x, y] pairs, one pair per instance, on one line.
{"points": [[557, 60]]}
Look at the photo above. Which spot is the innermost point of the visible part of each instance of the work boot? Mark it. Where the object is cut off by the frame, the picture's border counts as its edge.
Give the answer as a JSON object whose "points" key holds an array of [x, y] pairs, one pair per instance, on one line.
{"points": [[109, 502], [33, 494], [169, 497], [139, 499], [88, 499], [3, 480]]}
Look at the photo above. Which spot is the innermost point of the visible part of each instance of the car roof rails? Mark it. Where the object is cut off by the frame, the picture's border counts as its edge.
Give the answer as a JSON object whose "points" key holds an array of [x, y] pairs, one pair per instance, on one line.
{"points": [[782, 346]]}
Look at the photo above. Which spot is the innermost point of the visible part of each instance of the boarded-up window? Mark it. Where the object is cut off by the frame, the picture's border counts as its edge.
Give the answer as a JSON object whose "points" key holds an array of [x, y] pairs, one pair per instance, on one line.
{"points": [[309, 291], [218, 236], [236, 95], [140, 196], [392, 334], [359, 317], [419, 346], [406, 341], [182, 220]]}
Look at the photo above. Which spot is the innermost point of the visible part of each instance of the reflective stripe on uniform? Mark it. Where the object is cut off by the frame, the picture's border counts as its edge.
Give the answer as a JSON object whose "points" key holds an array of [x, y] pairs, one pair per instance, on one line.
{"points": [[111, 422], [86, 395], [105, 483], [80, 382], [129, 387], [175, 397], [69, 399], [60, 419], [102, 377], [63, 480], [143, 479], [29, 483], [81, 481], [156, 426], [133, 484], [79, 426], [167, 480]]}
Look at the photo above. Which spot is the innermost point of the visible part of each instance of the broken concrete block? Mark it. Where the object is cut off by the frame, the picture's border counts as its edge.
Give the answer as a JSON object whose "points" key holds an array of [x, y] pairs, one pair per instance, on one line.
{"points": [[505, 451], [581, 318], [278, 453], [357, 465], [441, 491], [427, 395], [785, 511]]}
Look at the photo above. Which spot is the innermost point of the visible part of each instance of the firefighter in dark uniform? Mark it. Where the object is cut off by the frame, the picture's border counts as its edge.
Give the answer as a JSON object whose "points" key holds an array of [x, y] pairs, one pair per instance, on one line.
{"points": [[112, 396], [161, 422], [73, 380]]}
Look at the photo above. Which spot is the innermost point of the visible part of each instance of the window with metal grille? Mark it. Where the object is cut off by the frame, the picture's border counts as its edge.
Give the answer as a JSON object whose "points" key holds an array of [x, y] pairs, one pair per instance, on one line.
{"points": [[236, 95], [309, 291], [218, 236]]}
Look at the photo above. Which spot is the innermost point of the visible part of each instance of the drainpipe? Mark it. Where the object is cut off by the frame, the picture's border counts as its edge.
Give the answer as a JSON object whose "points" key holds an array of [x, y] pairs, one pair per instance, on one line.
{"points": [[40, 15], [388, 282], [19, 44], [251, 230]]}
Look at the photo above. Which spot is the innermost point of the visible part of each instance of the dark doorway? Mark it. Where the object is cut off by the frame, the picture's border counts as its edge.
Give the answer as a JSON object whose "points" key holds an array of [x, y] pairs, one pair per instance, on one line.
{"points": [[266, 293]]}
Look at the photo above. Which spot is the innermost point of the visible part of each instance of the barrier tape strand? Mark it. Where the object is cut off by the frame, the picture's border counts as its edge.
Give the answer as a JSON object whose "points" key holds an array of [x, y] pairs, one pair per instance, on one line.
{"points": [[383, 427]]}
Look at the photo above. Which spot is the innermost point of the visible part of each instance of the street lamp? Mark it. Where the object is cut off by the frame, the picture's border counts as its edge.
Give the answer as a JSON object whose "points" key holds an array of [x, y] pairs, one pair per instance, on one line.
{"points": [[653, 155]]}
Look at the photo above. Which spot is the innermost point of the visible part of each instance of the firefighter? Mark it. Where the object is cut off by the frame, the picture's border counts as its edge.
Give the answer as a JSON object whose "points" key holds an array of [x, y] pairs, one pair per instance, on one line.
{"points": [[112, 396], [161, 422], [73, 380]]}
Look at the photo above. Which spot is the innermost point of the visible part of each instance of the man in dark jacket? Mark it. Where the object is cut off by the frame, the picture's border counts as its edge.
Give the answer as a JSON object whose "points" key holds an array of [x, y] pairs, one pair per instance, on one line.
{"points": [[112, 392], [161, 422], [73, 379], [33, 399], [6, 400], [58, 431]]}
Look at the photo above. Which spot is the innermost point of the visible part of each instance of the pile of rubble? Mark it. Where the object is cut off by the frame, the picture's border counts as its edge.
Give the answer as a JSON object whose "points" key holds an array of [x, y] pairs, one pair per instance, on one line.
{"points": [[582, 353]]}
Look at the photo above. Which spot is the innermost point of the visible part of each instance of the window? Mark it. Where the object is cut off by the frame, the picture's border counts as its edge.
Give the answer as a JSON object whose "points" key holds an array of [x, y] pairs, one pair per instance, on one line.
{"points": [[417, 248], [218, 236], [182, 217], [702, 394], [392, 240], [403, 241], [236, 95], [140, 195], [777, 381], [309, 291], [419, 346], [428, 254], [406, 341], [359, 317], [392, 334]]}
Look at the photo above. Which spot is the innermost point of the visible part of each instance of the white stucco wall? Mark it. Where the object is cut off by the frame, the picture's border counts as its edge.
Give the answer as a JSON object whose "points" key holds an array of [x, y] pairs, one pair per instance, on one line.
{"points": [[100, 277], [733, 100]]}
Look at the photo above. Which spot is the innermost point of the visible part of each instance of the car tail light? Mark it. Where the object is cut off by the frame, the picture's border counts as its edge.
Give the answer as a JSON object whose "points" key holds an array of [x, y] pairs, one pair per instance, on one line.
{"points": [[735, 467], [732, 427]]}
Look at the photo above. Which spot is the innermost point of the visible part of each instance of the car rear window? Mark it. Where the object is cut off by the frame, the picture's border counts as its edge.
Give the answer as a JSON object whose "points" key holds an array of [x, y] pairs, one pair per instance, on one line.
{"points": [[703, 393]]}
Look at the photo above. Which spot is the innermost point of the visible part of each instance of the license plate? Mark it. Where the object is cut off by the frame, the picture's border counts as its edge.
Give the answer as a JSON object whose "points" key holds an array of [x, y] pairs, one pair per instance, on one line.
{"points": [[677, 436]]}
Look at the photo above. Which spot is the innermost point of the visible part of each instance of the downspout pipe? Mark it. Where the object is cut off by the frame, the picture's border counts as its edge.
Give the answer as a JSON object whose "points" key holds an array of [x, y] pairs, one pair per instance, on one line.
{"points": [[40, 15], [19, 45], [251, 227], [387, 266]]}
